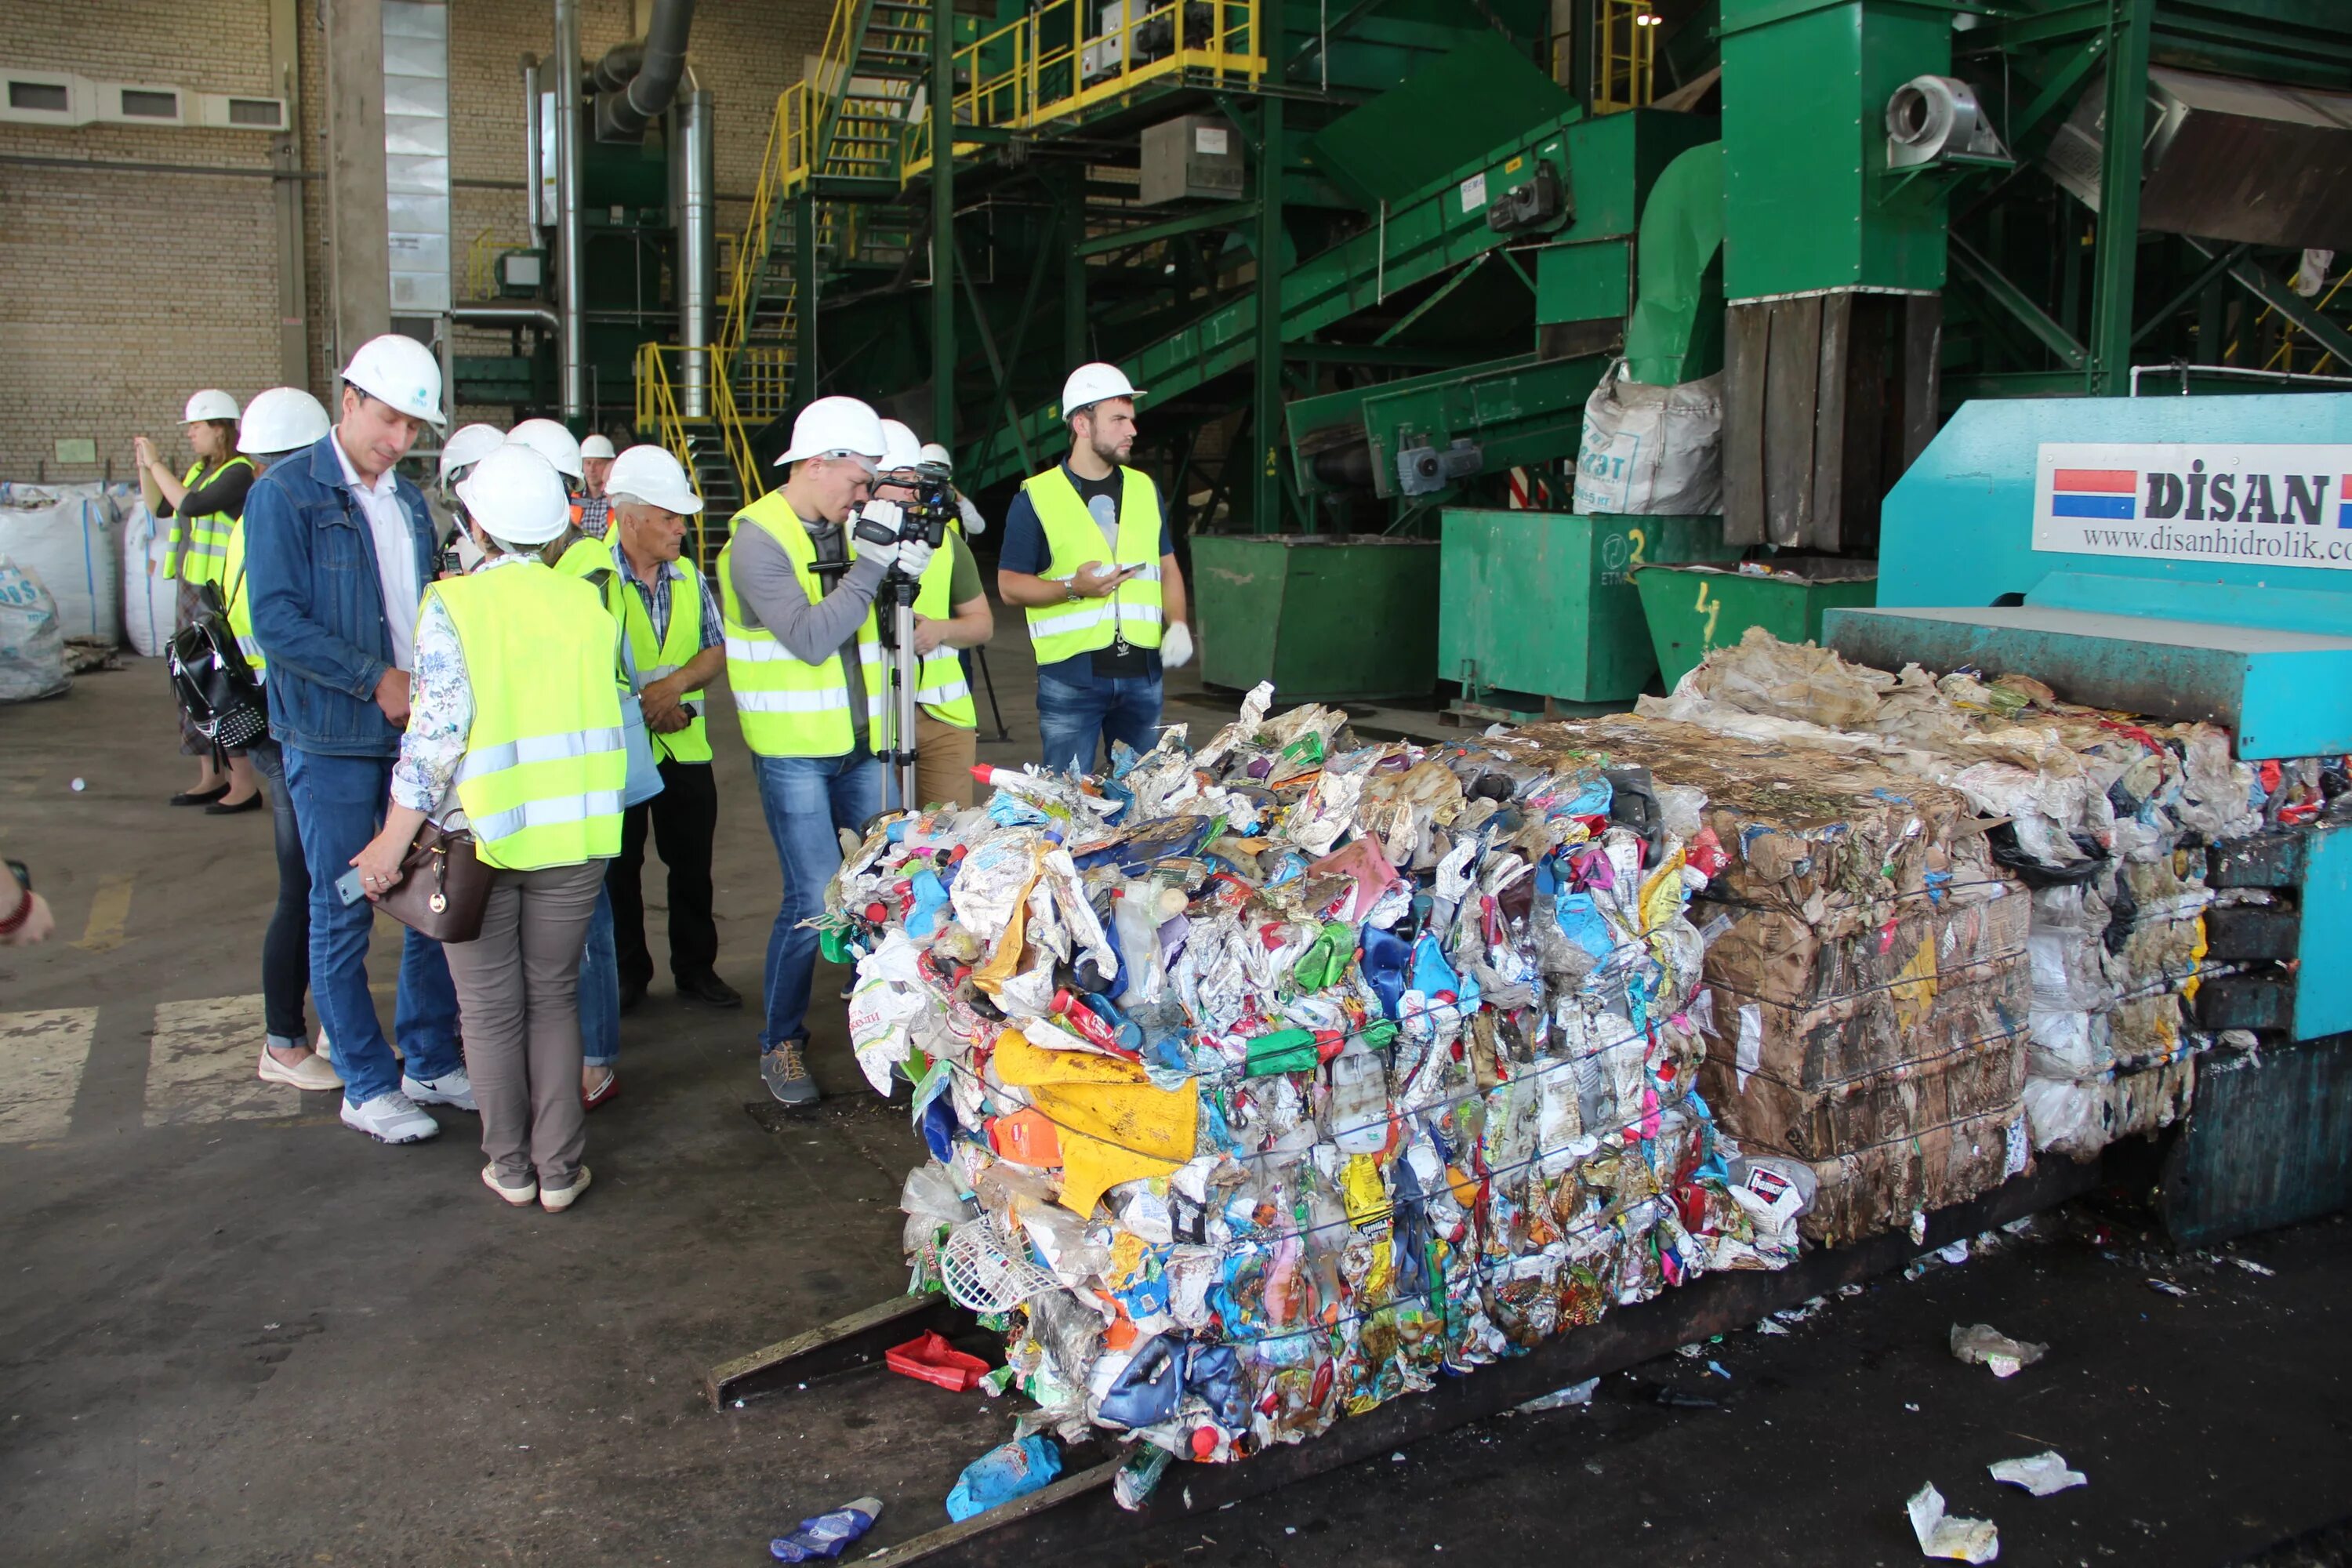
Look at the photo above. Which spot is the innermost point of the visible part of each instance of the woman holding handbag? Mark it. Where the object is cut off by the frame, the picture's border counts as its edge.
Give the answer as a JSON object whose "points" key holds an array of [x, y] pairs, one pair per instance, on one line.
{"points": [[514, 733]]}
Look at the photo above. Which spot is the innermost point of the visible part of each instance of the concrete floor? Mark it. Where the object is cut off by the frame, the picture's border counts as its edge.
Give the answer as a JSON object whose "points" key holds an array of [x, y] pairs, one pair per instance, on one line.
{"points": [[233, 1331]]}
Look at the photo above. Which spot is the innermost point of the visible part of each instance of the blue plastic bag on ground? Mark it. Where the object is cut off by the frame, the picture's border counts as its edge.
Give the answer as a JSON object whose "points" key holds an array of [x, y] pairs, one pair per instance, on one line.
{"points": [[1002, 1474]]}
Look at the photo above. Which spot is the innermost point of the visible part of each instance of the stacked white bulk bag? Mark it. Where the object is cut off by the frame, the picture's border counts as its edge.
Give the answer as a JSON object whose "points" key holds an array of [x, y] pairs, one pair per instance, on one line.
{"points": [[68, 538]]}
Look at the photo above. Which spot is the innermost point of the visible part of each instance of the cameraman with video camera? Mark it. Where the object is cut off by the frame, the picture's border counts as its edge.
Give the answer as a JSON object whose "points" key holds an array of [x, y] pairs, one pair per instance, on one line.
{"points": [[797, 584], [952, 614]]}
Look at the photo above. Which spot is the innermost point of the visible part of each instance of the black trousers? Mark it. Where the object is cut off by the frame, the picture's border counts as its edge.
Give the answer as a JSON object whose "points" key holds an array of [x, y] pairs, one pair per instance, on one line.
{"points": [[682, 818]]}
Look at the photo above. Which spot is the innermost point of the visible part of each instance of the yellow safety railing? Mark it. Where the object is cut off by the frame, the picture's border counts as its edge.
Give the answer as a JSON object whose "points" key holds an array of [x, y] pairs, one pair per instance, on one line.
{"points": [[761, 380], [481, 264], [1043, 67], [1625, 47], [659, 414]]}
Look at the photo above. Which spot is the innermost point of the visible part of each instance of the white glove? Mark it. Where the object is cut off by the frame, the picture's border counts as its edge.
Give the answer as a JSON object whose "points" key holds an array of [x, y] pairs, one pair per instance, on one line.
{"points": [[1176, 646], [913, 556], [882, 513], [974, 525]]}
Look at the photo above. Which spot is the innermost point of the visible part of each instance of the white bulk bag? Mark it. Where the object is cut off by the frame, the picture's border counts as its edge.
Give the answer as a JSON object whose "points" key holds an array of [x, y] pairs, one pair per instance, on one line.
{"points": [[32, 650], [67, 536], [150, 599], [1652, 450]]}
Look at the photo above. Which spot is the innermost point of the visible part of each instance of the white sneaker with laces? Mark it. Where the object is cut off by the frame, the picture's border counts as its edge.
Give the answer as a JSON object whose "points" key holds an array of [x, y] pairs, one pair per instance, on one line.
{"points": [[391, 1118], [452, 1089]]}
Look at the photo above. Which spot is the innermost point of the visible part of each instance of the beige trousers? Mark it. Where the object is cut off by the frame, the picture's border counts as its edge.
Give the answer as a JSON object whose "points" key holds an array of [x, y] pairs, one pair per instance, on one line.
{"points": [[943, 758], [518, 1004]]}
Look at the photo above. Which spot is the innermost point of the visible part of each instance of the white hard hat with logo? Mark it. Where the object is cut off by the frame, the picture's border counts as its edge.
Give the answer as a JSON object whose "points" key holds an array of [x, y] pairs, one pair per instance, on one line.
{"points": [[937, 457], [650, 474], [833, 425], [516, 495], [1090, 383], [401, 372], [596, 446], [212, 403], [468, 445], [900, 450], [551, 441], [282, 419]]}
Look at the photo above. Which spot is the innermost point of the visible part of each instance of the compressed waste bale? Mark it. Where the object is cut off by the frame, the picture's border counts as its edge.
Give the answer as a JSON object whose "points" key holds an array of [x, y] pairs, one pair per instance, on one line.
{"points": [[1269, 1080], [2105, 816]]}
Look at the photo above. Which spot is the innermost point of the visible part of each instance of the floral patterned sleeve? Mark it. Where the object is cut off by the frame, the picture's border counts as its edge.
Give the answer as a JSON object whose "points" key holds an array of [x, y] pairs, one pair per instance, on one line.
{"points": [[440, 714]]}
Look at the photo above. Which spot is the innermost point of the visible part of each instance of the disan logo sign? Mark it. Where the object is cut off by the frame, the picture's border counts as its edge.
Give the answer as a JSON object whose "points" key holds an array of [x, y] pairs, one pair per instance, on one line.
{"points": [[2253, 505]]}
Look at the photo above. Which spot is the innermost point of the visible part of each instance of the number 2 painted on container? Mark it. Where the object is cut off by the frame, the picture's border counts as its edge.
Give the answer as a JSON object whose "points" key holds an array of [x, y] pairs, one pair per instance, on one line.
{"points": [[1712, 608], [1640, 542]]}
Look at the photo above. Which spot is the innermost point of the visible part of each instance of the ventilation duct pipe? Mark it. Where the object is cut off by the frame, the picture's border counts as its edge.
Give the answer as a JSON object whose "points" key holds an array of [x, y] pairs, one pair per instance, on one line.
{"points": [[627, 104], [571, 343], [697, 218]]}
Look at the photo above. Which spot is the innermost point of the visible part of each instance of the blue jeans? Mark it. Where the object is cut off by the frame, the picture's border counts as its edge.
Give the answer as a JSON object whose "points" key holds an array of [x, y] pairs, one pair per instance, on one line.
{"points": [[805, 800], [339, 805], [1077, 709], [600, 988]]}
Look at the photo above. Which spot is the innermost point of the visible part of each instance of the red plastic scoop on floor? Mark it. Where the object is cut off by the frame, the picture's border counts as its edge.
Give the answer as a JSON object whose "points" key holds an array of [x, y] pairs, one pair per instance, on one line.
{"points": [[933, 1360]]}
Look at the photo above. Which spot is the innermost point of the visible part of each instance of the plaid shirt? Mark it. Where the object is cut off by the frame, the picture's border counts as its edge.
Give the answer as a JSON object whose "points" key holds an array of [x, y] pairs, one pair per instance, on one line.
{"points": [[654, 597]]}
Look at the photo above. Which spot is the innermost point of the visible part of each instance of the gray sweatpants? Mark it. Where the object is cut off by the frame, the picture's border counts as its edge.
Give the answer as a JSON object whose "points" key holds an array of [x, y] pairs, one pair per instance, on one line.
{"points": [[518, 1003]]}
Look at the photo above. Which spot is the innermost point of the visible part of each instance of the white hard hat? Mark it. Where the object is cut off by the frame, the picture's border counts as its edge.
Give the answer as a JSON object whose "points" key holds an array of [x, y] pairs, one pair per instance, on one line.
{"points": [[899, 448], [516, 495], [551, 441], [833, 425], [596, 446], [282, 419], [1090, 383], [651, 474], [468, 445], [402, 372], [937, 457], [212, 403]]}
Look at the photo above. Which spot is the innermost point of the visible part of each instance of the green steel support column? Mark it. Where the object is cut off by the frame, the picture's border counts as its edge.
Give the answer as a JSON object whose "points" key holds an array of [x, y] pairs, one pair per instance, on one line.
{"points": [[1075, 351], [804, 300], [944, 331], [1265, 480], [2127, 127]]}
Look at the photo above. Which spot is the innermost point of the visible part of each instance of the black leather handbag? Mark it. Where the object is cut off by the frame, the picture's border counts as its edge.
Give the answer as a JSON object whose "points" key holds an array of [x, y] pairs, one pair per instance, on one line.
{"points": [[216, 689]]}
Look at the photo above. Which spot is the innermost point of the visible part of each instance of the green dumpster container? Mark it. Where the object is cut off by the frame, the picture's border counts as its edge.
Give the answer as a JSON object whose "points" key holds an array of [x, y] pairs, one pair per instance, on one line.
{"points": [[1694, 610], [1325, 617]]}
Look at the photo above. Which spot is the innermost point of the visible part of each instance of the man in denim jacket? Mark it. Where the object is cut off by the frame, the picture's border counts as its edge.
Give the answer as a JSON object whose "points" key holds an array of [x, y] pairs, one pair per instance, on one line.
{"points": [[339, 549]]}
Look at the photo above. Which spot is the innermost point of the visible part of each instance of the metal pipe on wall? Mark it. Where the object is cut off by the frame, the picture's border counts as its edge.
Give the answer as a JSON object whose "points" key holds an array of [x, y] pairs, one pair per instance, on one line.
{"points": [[571, 343], [692, 190], [533, 155]]}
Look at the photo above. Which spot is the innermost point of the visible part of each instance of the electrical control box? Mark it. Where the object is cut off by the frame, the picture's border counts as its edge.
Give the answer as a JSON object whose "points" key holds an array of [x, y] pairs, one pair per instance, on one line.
{"points": [[1199, 155]]}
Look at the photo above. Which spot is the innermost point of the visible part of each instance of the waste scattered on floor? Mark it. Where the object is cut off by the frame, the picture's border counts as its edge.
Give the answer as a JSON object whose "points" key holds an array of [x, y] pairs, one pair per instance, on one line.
{"points": [[1981, 1344], [1947, 1535], [2041, 1474]]}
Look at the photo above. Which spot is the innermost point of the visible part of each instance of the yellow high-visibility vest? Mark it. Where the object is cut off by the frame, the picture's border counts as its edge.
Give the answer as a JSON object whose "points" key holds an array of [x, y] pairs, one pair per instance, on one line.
{"points": [[791, 708], [240, 601], [1072, 539], [677, 647], [545, 760], [207, 535]]}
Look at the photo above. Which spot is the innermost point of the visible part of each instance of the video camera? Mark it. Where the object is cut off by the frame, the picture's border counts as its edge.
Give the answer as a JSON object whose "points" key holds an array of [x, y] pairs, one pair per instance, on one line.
{"points": [[926, 518]]}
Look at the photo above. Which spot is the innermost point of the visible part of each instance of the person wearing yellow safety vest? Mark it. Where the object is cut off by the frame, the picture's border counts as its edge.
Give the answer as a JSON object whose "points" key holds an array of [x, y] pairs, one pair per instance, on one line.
{"points": [[952, 613], [595, 504], [1087, 556], [202, 504], [675, 640], [514, 732], [277, 424], [804, 663]]}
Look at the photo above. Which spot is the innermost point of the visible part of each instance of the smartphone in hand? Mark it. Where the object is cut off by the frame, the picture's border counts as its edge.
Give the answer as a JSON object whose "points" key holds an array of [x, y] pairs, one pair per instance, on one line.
{"points": [[348, 885]]}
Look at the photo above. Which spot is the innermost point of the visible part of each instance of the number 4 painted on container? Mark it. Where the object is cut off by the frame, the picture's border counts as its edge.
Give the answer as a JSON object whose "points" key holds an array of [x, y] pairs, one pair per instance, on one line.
{"points": [[1712, 608]]}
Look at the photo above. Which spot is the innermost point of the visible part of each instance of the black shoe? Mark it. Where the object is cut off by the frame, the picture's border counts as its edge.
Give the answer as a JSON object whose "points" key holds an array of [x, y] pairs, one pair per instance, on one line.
{"points": [[223, 808], [200, 796], [632, 993], [708, 990]]}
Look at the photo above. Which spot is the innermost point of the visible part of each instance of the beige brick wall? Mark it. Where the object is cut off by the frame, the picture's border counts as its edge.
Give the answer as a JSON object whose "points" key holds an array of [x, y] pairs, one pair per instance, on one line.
{"points": [[110, 313]]}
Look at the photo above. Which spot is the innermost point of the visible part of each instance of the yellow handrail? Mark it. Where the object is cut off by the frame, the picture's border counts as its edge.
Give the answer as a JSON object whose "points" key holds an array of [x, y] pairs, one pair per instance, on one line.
{"points": [[1626, 37]]}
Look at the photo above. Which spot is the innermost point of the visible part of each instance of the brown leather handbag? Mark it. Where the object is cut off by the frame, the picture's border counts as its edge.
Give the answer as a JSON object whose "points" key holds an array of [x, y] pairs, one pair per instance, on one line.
{"points": [[442, 888]]}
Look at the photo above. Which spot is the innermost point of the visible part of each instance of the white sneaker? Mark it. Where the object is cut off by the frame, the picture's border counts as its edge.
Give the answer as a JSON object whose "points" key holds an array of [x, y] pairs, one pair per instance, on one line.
{"points": [[325, 1047], [518, 1196], [391, 1118], [311, 1073], [555, 1200], [452, 1089]]}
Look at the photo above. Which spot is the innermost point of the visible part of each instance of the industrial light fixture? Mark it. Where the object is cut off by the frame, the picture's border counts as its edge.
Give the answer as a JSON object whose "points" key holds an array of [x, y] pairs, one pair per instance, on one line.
{"points": [[1648, 19]]}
